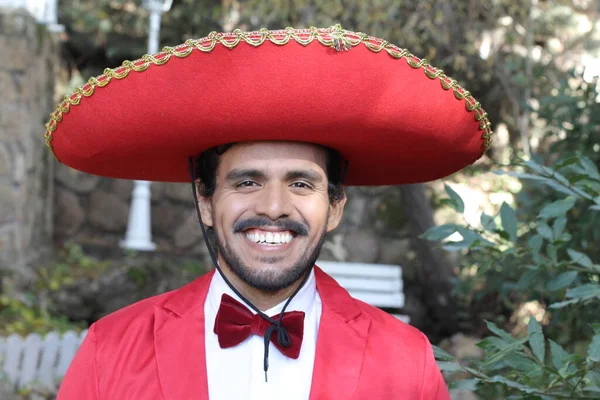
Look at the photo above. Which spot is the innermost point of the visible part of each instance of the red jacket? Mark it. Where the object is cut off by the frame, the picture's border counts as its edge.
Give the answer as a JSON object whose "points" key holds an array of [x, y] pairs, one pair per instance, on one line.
{"points": [[154, 350]]}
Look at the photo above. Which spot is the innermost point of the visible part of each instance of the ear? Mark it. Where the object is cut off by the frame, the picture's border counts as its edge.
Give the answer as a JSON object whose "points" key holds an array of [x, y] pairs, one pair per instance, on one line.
{"points": [[205, 205], [336, 211]]}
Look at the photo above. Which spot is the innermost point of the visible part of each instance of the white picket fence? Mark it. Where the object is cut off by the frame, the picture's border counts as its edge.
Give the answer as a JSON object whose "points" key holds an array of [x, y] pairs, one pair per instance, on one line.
{"points": [[37, 360]]}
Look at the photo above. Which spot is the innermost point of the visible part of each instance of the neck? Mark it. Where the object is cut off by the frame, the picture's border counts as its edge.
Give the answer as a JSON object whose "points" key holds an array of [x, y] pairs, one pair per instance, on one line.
{"points": [[260, 299]]}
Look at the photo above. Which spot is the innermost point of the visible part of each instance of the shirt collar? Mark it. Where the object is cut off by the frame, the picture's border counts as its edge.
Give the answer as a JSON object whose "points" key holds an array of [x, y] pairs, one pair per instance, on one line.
{"points": [[303, 301]]}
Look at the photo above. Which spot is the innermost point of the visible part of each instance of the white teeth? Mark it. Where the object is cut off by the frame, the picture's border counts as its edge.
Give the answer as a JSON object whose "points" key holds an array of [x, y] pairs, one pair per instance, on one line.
{"points": [[270, 237]]}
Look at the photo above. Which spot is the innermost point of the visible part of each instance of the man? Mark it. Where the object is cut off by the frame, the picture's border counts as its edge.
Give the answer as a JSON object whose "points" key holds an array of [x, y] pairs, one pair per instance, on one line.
{"points": [[280, 120]]}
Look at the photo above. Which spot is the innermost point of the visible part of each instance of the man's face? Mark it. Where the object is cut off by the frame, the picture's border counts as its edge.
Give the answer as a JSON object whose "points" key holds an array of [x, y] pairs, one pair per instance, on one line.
{"points": [[270, 211]]}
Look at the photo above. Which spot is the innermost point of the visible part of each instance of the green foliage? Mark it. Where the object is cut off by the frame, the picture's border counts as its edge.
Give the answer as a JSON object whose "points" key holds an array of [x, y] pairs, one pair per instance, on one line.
{"points": [[521, 260], [572, 111], [25, 312], [519, 367], [22, 317], [104, 33]]}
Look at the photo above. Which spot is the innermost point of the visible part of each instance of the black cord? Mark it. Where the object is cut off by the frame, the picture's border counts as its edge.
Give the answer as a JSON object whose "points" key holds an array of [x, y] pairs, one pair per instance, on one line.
{"points": [[283, 337]]}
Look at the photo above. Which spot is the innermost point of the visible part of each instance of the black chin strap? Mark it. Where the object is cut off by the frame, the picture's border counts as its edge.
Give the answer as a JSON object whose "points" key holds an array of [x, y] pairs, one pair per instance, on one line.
{"points": [[283, 337]]}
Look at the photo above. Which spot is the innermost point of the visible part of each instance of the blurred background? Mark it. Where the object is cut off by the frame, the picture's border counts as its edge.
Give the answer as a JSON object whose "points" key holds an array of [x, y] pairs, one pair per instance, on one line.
{"points": [[500, 262]]}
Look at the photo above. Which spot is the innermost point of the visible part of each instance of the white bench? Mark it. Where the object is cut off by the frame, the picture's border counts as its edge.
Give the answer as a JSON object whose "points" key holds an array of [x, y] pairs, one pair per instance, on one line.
{"points": [[380, 285]]}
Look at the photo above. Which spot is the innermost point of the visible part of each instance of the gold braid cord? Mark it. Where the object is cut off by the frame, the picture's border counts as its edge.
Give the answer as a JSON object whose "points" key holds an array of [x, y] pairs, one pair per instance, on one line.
{"points": [[335, 37]]}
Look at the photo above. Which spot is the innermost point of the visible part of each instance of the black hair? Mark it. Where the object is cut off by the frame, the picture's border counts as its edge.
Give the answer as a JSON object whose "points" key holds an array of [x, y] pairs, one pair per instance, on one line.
{"points": [[206, 165]]}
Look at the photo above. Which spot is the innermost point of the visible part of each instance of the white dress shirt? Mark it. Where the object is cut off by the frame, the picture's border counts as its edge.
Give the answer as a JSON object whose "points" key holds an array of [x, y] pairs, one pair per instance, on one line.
{"points": [[237, 372]]}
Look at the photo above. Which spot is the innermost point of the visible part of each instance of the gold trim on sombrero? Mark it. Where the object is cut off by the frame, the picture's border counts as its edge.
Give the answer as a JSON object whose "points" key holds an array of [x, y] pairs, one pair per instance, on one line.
{"points": [[335, 37]]}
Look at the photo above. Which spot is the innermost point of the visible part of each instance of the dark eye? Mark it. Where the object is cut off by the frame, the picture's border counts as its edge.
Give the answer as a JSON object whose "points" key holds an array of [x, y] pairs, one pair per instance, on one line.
{"points": [[300, 185], [246, 184]]}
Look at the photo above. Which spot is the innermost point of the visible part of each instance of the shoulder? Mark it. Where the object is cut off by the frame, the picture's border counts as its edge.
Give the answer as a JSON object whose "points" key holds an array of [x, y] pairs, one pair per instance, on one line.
{"points": [[131, 318], [407, 354], [139, 318], [388, 328], [394, 342]]}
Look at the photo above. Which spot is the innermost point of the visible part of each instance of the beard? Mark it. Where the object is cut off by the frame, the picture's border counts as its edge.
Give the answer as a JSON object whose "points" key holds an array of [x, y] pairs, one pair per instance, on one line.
{"points": [[273, 280]]}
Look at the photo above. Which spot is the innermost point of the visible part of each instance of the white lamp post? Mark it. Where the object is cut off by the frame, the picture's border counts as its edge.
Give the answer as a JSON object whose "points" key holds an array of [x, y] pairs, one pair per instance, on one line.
{"points": [[139, 236]]}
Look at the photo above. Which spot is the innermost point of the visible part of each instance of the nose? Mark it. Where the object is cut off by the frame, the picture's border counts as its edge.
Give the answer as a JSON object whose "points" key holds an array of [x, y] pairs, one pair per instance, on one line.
{"points": [[274, 201]]}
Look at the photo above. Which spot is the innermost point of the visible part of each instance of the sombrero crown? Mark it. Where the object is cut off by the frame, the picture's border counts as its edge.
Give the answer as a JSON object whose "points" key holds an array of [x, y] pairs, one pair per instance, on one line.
{"points": [[394, 117]]}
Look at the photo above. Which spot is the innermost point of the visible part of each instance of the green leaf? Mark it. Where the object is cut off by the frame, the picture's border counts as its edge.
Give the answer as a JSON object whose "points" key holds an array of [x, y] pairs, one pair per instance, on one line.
{"points": [[594, 349], [465, 384], [545, 231], [558, 354], [521, 363], [536, 339], [551, 252], [492, 342], [540, 169], [487, 221], [589, 167], [557, 209], [449, 366], [558, 226], [573, 179], [544, 180], [561, 281], [442, 355], [470, 236], [584, 291], [456, 201], [503, 354], [535, 243], [509, 221], [594, 378], [580, 258], [528, 279], [499, 332], [513, 384], [456, 246], [566, 162], [439, 232], [562, 304]]}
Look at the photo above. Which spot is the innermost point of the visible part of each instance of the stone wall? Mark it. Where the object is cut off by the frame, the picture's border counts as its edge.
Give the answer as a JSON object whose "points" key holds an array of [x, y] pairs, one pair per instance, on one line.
{"points": [[27, 80], [93, 211]]}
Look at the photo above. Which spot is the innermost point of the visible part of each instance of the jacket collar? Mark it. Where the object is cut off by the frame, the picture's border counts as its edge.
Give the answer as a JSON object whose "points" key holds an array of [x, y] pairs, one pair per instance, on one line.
{"points": [[342, 340], [180, 342]]}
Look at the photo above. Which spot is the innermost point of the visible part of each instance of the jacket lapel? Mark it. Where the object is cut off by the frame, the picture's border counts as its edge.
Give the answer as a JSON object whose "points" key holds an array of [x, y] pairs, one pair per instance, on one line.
{"points": [[179, 342], [341, 342]]}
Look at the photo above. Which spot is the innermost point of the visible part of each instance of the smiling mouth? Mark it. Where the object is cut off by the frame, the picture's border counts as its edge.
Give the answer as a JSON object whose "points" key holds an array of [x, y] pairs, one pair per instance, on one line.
{"points": [[269, 237]]}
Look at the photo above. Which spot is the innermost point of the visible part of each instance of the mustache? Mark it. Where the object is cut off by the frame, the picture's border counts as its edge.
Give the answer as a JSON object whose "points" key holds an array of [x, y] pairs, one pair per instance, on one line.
{"points": [[285, 224]]}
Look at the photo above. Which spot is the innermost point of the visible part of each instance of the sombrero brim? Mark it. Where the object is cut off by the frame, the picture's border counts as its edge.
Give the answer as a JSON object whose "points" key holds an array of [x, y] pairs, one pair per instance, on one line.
{"points": [[395, 118]]}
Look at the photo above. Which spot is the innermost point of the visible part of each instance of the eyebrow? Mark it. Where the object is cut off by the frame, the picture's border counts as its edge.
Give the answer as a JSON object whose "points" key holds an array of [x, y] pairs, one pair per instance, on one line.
{"points": [[308, 175], [240, 173]]}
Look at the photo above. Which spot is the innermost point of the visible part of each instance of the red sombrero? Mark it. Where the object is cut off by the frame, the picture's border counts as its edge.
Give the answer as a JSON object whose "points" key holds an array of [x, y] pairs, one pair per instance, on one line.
{"points": [[394, 117]]}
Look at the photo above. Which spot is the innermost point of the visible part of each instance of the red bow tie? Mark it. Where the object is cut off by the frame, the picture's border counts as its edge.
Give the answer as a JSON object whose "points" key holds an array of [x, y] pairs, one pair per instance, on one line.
{"points": [[235, 323]]}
